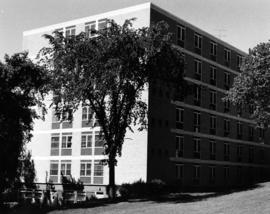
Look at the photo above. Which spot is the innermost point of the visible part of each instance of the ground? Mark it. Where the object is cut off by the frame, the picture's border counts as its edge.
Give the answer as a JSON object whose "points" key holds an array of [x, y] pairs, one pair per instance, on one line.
{"points": [[250, 201]]}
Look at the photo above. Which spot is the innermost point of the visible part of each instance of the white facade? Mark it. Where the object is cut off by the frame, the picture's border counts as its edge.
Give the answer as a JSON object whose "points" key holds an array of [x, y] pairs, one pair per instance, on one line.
{"points": [[132, 165]]}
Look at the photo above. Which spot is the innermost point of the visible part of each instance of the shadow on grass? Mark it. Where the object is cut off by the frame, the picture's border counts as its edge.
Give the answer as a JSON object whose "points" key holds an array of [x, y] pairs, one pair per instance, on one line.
{"points": [[184, 197]]}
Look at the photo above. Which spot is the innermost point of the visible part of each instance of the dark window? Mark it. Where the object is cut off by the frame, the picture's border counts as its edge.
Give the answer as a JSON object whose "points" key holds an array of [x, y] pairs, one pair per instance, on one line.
{"points": [[197, 41], [239, 126], [181, 33], [197, 95], [213, 48], [179, 145], [226, 127], [213, 124], [212, 148], [226, 151], [197, 147], [213, 99], [179, 118], [198, 69], [197, 121], [227, 80], [239, 152], [213, 75]]}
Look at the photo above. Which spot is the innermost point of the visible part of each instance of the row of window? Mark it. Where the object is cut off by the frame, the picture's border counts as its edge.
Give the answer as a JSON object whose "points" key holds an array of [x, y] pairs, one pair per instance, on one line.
{"points": [[212, 74], [90, 171], [179, 142], [213, 125], [91, 143], [181, 37], [90, 28], [197, 169]]}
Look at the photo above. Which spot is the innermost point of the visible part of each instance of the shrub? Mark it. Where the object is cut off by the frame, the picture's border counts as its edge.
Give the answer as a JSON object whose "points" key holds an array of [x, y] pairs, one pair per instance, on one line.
{"points": [[70, 184]]}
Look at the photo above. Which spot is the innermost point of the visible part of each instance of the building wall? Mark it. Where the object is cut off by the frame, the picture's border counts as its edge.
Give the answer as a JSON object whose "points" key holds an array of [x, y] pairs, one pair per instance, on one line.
{"points": [[164, 161], [132, 164]]}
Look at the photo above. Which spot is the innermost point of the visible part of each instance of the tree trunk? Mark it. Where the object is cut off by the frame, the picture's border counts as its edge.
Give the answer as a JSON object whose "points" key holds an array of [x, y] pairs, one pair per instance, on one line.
{"points": [[111, 187]]}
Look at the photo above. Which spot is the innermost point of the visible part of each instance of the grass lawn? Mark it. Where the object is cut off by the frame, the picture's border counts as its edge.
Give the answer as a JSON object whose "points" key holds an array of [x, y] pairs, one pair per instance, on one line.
{"points": [[252, 201]]}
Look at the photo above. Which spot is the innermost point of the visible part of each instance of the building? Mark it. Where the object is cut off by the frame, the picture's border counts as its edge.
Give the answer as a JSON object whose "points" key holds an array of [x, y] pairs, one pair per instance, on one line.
{"points": [[193, 142]]}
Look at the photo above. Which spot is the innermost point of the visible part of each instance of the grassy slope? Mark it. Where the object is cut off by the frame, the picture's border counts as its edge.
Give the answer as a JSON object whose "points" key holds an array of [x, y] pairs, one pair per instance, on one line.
{"points": [[252, 201]]}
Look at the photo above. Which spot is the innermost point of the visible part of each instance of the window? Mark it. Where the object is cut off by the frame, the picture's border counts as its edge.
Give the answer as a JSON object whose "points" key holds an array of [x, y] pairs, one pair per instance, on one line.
{"points": [[179, 171], [85, 169], [55, 118], [261, 134], [66, 140], [226, 127], [179, 118], [87, 113], [53, 169], [179, 145], [212, 147], [239, 152], [197, 147], [197, 121], [196, 174], [197, 41], [227, 55], [213, 99], [86, 140], [226, 172], [65, 168], [213, 48], [213, 75], [212, 174], [70, 31], [239, 126], [226, 151], [197, 95], [90, 29], [181, 33], [251, 154], [239, 61], [99, 143], [98, 172], [227, 80], [198, 69], [213, 123], [102, 24], [226, 106], [55, 141], [250, 133]]}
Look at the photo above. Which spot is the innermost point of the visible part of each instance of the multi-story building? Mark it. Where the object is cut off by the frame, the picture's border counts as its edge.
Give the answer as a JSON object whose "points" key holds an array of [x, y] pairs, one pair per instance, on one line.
{"points": [[193, 141]]}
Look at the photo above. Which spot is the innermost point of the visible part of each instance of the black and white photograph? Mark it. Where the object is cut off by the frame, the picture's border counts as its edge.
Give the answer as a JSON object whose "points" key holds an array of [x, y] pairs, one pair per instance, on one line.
{"points": [[134, 106]]}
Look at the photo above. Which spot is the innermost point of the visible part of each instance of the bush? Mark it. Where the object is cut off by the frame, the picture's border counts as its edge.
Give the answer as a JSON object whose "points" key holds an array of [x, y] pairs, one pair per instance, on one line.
{"points": [[141, 189], [70, 184]]}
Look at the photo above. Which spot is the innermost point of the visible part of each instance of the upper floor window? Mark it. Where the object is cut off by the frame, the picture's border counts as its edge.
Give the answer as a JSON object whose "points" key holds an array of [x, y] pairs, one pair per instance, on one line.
{"points": [[197, 147], [197, 41], [102, 24], [198, 69], [179, 145], [251, 154], [70, 31], [226, 106], [239, 152], [213, 75], [66, 140], [227, 80], [250, 132], [90, 29], [55, 141], [213, 99], [181, 33], [227, 55], [213, 124], [226, 151], [197, 95], [197, 121], [86, 140], [239, 126], [239, 60], [213, 48], [179, 118], [212, 148], [87, 113], [226, 127]]}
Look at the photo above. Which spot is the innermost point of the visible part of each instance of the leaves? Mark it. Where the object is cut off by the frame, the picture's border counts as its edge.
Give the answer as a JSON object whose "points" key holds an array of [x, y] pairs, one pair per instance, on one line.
{"points": [[252, 85], [110, 73]]}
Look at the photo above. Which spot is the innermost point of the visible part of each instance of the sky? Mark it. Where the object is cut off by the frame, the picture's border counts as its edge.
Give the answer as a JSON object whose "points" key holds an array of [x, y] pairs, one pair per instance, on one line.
{"points": [[242, 23]]}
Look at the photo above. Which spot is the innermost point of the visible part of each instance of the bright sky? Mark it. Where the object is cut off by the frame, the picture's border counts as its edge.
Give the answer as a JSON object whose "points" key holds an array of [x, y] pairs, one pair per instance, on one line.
{"points": [[242, 23]]}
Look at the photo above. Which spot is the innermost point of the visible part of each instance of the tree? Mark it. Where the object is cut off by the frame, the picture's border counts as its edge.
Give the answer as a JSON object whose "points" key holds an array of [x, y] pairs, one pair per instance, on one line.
{"points": [[109, 73], [252, 86], [21, 88]]}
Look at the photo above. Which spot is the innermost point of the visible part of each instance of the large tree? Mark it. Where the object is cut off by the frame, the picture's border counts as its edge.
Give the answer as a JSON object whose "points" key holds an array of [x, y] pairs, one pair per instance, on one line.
{"points": [[109, 72], [251, 88], [21, 85]]}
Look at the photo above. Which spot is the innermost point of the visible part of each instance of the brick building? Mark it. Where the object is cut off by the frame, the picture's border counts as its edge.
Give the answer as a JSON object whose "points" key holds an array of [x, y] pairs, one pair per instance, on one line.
{"points": [[196, 141]]}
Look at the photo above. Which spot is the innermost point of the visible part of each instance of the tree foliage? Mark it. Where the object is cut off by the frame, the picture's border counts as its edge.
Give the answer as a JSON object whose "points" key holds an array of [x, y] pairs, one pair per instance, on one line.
{"points": [[109, 73], [252, 86], [21, 82]]}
